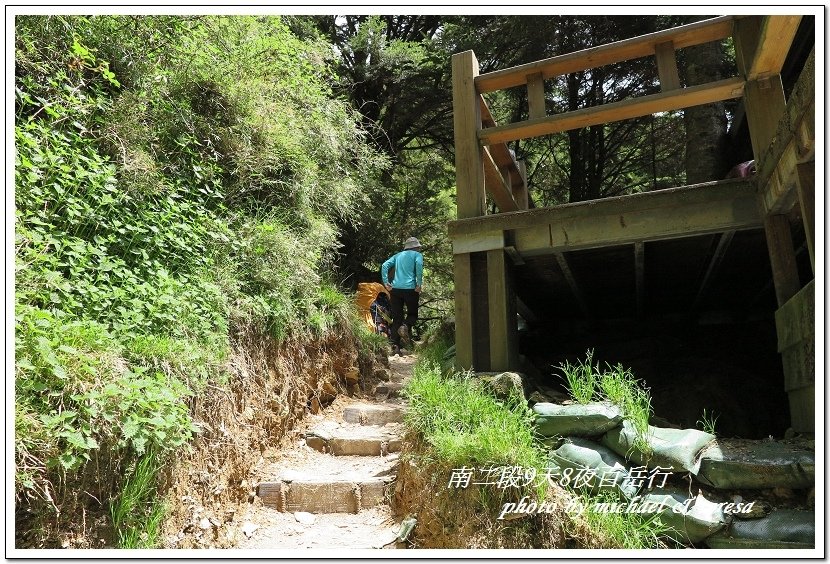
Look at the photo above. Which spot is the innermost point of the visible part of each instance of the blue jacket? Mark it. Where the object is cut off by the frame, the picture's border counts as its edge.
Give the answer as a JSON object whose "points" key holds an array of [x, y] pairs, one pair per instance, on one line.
{"points": [[409, 270]]}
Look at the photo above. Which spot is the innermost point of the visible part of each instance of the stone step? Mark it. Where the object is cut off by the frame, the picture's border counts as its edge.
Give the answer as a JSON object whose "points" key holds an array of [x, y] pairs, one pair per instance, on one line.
{"points": [[347, 439], [373, 528], [344, 484], [390, 389], [373, 414]]}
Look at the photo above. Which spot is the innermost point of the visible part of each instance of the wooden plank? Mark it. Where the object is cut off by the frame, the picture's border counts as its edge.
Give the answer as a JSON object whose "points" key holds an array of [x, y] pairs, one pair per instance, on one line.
{"points": [[795, 320], [793, 143], [463, 312], [502, 156], [496, 186], [571, 280], [781, 257], [667, 66], [807, 200], [469, 170], [514, 255], [765, 105], [731, 204], [643, 46], [616, 111], [478, 242], [502, 314], [717, 258], [776, 37], [536, 96], [639, 276]]}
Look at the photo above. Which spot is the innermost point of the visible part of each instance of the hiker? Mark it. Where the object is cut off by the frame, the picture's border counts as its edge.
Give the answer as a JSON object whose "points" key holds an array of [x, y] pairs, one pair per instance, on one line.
{"points": [[405, 290]]}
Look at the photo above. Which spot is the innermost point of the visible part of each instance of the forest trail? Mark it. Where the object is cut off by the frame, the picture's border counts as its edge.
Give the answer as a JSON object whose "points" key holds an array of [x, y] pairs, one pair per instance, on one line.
{"points": [[330, 488]]}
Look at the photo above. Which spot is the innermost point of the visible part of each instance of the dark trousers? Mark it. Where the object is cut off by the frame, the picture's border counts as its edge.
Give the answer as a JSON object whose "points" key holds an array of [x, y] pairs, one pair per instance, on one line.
{"points": [[401, 299]]}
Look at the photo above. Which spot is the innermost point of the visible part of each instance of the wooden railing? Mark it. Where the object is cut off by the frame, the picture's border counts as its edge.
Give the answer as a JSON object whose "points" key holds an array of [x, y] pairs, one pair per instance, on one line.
{"points": [[761, 46]]}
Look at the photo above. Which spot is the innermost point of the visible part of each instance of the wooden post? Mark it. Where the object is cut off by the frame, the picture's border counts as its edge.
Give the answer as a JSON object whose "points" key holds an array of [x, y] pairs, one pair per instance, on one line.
{"points": [[469, 168], [463, 312], [502, 312], [535, 96], [782, 257], [667, 66], [806, 186]]}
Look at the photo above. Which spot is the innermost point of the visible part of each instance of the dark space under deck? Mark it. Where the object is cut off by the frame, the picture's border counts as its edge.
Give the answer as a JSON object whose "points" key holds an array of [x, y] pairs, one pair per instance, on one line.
{"points": [[699, 329]]}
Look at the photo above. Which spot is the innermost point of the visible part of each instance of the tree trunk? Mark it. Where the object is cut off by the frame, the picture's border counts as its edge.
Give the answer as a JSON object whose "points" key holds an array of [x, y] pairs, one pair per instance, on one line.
{"points": [[706, 125]]}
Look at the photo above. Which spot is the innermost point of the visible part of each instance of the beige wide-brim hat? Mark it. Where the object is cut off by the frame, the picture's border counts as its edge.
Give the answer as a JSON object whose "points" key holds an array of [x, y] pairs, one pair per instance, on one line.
{"points": [[411, 243]]}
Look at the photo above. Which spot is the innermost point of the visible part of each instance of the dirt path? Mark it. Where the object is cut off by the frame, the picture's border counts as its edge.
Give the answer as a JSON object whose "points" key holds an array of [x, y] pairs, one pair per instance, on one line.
{"points": [[337, 498]]}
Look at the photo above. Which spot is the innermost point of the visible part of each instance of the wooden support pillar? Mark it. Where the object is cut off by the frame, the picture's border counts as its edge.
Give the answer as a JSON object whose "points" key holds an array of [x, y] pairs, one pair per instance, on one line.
{"points": [[535, 96], [639, 276], [463, 312], [781, 257], [469, 167], [806, 186], [667, 66], [501, 301]]}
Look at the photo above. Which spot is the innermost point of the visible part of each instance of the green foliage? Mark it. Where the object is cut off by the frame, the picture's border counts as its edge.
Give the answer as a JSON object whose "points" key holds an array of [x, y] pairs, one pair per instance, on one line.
{"points": [[465, 425], [582, 379], [177, 183], [136, 512], [609, 529], [707, 422], [616, 385]]}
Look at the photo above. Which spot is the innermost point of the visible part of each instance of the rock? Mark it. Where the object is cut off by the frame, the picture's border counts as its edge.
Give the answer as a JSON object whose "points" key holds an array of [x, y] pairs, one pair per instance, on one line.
{"points": [[382, 374], [352, 375], [304, 517], [205, 524], [503, 384]]}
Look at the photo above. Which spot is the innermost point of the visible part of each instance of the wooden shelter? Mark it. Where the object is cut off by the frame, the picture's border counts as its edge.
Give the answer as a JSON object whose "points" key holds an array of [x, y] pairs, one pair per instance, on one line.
{"points": [[718, 242]]}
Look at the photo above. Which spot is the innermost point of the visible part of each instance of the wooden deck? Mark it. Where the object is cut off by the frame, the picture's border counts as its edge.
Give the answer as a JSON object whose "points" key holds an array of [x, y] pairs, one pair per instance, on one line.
{"points": [[731, 245]]}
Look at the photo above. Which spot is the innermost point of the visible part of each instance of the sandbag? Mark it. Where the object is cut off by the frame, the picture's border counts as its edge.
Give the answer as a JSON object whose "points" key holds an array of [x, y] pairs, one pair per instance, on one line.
{"points": [[783, 528], [676, 449], [608, 469], [688, 521], [745, 464], [575, 420]]}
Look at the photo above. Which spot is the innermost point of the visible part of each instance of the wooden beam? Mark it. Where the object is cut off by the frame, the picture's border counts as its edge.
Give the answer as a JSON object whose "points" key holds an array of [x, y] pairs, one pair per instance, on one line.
{"points": [[463, 312], [774, 42], [782, 257], [502, 313], [520, 191], [535, 96], [711, 207], [807, 200], [639, 276], [514, 255], [569, 278], [502, 156], [667, 66], [496, 186], [469, 171], [765, 105], [616, 111], [643, 46], [793, 143], [478, 242], [715, 262]]}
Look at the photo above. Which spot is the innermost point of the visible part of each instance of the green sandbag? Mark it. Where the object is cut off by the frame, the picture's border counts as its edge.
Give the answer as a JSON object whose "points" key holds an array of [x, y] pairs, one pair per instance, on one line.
{"points": [[745, 464], [676, 449], [608, 469], [783, 528], [588, 420], [688, 521]]}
